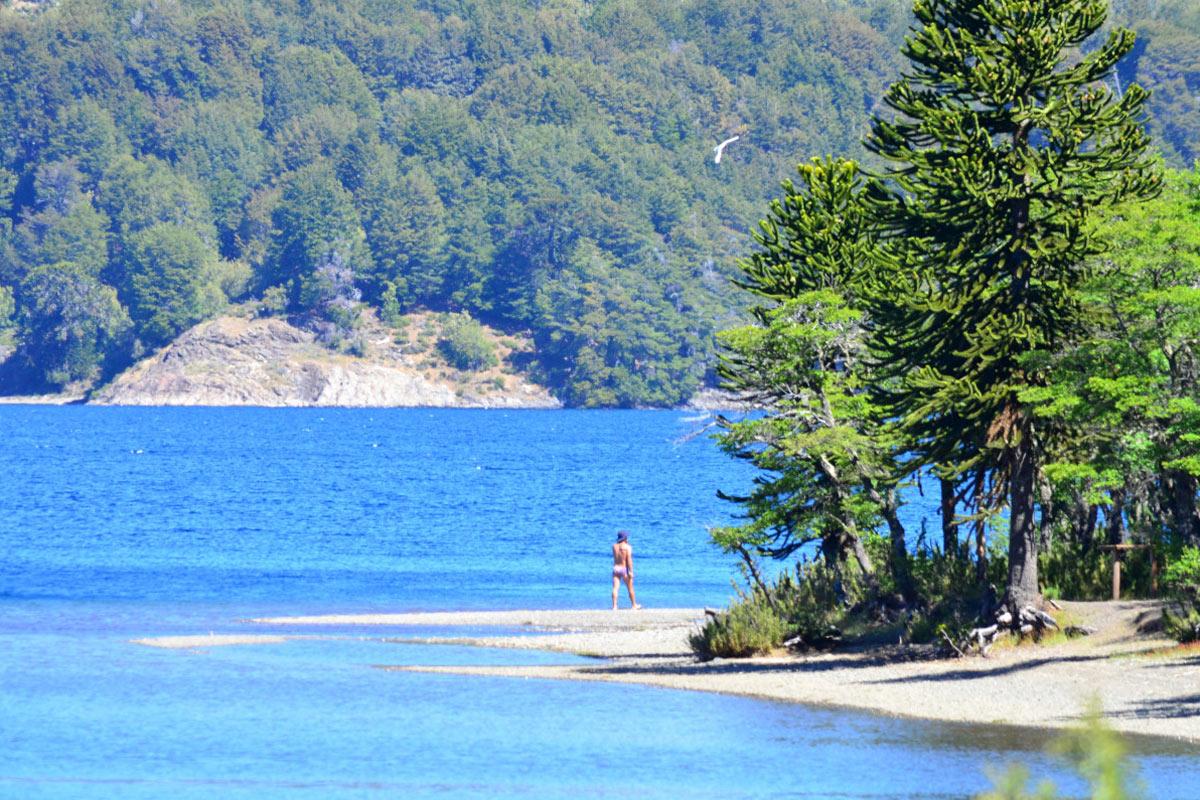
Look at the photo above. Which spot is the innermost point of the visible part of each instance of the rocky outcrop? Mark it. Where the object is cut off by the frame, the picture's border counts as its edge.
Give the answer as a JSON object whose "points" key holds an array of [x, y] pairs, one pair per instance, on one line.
{"points": [[232, 361]]}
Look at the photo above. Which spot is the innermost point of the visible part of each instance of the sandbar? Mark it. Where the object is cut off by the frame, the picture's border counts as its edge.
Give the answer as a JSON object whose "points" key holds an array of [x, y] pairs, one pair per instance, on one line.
{"points": [[621, 620], [211, 640], [1143, 685]]}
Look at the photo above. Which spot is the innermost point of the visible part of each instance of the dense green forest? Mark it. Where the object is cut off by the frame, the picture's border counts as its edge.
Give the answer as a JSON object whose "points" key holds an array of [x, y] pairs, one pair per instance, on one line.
{"points": [[544, 166], [1003, 312]]}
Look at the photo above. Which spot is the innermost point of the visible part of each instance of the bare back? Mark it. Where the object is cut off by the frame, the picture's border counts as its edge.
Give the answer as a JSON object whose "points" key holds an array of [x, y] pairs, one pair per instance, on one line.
{"points": [[623, 555]]}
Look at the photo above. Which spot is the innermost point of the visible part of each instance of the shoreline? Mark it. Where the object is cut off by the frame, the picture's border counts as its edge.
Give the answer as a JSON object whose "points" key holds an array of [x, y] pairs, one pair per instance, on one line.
{"points": [[1142, 692]]}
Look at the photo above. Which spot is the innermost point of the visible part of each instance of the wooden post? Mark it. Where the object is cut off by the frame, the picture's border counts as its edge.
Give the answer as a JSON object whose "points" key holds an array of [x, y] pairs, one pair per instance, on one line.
{"points": [[1118, 551]]}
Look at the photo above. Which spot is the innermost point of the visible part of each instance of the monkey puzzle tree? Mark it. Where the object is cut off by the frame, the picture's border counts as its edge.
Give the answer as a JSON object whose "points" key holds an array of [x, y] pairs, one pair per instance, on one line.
{"points": [[1003, 145]]}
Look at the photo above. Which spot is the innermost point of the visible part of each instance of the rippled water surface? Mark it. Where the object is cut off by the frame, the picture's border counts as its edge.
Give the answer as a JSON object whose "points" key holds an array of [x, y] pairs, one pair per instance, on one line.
{"points": [[117, 524]]}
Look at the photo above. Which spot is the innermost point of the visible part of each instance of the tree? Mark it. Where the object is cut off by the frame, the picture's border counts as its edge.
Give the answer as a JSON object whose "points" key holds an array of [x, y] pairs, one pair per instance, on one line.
{"points": [[138, 193], [62, 224], [319, 247], [69, 320], [173, 282], [302, 79], [404, 221], [609, 337], [8, 309], [1125, 395], [827, 453], [219, 146], [86, 133], [1003, 148]]}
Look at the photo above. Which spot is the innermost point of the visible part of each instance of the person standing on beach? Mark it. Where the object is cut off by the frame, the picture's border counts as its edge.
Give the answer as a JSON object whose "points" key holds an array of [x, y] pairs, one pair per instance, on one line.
{"points": [[623, 568]]}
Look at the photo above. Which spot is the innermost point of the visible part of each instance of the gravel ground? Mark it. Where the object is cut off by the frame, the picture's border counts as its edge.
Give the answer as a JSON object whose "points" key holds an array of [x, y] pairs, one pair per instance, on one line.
{"points": [[1038, 686]]}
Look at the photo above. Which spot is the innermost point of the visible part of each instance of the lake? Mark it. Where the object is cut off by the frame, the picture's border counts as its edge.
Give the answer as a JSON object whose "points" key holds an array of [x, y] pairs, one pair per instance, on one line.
{"points": [[120, 523]]}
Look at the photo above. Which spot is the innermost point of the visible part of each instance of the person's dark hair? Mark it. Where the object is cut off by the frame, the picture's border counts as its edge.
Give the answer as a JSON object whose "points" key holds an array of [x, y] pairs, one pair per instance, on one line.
{"points": [[622, 536]]}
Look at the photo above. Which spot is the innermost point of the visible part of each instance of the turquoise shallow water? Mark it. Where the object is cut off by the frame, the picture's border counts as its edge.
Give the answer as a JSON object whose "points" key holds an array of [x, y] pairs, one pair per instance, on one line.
{"points": [[123, 523]]}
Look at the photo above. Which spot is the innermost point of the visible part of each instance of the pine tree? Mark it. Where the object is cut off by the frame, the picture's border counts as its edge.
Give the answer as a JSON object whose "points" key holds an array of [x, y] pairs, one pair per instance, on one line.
{"points": [[1003, 146]]}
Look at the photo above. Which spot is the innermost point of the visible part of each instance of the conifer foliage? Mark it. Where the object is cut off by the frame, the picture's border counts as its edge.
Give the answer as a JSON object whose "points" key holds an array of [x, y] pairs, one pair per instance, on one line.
{"points": [[1003, 144], [826, 450]]}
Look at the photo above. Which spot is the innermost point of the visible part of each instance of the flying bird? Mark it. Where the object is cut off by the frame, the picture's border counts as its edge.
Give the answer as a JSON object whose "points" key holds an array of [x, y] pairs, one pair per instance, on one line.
{"points": [[719, 149]]}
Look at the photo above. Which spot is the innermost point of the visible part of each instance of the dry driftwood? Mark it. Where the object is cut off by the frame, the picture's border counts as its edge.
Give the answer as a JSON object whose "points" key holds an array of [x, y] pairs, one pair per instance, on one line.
{"points": [[953, 646], [982, 639], [1029, 621]]}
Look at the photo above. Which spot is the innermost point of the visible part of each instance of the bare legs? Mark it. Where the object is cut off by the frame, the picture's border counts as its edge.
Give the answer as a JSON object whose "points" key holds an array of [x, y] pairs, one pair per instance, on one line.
{"points": [[628, 587]]}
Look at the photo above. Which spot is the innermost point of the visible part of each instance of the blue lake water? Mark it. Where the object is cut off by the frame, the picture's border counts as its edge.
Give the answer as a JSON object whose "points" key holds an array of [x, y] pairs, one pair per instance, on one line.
{"points": [[117, 524]]}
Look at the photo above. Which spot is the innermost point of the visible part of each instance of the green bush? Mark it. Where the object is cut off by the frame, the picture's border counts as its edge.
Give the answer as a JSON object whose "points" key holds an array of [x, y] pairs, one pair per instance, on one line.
{"points": [[390, 312], [750, 627], [1181, 619], [1074, 572], [274, 302], [465, 345], [1183, 570], [809, 603], [1181, 580]]}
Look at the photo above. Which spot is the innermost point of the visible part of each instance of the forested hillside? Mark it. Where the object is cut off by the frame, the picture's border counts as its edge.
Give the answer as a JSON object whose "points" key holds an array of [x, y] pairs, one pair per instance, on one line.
{"points": [[544, 166]]}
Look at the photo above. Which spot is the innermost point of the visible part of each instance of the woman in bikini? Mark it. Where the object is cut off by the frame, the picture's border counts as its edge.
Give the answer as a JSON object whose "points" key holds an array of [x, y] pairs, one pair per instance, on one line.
{"points": [[623, 568]]}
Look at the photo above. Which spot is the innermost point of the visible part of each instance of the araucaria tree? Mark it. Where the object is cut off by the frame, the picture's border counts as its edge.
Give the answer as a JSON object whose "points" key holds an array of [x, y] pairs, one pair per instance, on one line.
{"points": [[1003, 143]]}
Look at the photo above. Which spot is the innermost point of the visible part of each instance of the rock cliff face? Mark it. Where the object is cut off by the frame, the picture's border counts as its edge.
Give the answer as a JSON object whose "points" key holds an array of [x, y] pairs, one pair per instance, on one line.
{"points": [[232, 361]]}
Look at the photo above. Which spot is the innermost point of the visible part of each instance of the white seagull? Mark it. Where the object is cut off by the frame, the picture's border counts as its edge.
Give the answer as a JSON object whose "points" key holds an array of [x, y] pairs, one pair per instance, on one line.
{"points": [[719, 149]]}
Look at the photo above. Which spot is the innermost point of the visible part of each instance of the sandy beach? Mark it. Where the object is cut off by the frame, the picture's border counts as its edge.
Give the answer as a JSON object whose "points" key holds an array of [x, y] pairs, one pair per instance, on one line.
{"points": [[1142, 690]]}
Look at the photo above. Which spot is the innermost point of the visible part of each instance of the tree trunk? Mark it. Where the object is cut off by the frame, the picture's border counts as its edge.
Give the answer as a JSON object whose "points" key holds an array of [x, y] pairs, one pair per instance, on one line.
{"points": [[901, 574], [849, 538], [1023, 534], [1087, 532], [1045, 526], [1114, 518], [981, 559], [1183, 506], [864, 561], [949, 526]]}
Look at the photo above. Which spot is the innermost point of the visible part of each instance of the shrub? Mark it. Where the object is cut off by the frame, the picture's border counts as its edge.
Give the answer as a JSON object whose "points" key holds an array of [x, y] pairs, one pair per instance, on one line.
{"points": [[1181, 579], [465, 345], [748, 628], [1183, 570], [1181, 619], [390, 312], [274, 301], [1075, 572]]}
